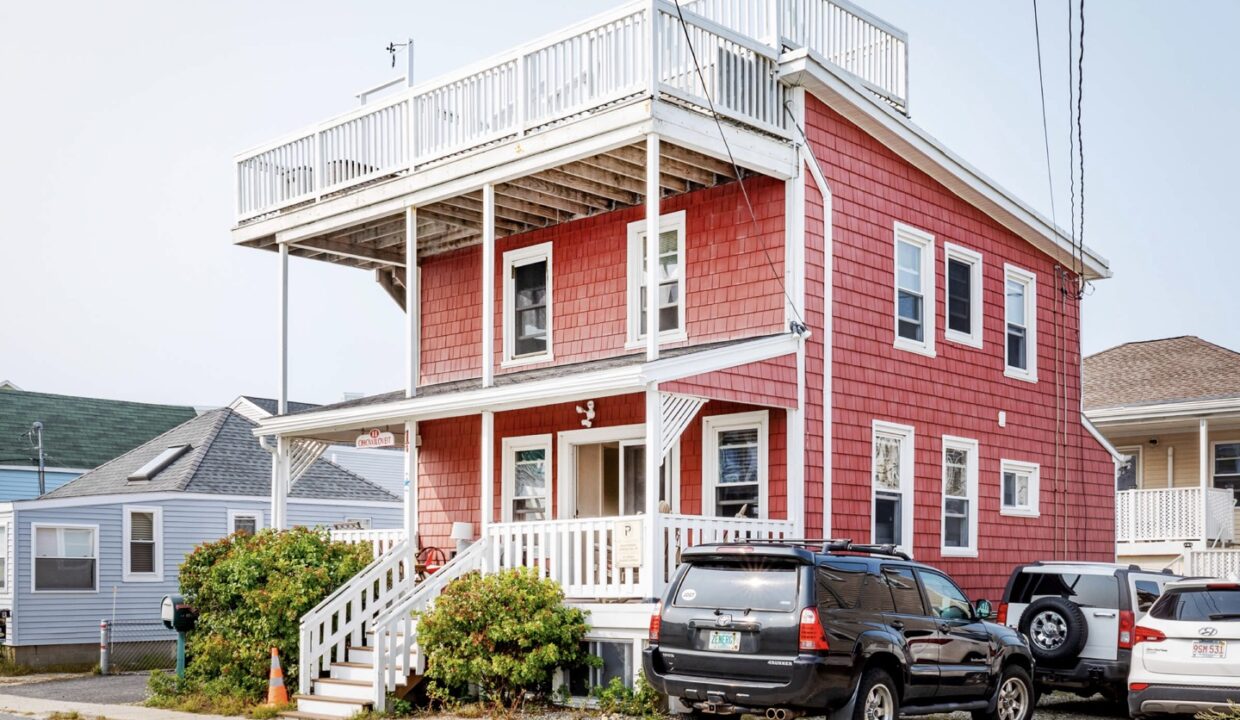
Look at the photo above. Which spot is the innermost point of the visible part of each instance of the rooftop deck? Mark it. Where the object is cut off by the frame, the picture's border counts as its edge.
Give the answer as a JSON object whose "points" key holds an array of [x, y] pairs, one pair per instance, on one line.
{"points": [[615, 63]]}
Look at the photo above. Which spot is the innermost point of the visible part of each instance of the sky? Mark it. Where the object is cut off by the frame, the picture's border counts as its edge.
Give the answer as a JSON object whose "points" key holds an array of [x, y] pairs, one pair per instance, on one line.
{"points": [[120, 120]]}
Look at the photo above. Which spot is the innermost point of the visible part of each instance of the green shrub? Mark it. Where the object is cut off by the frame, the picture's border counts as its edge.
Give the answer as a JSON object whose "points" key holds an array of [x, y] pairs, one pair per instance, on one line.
{"points": [[505, 633], [250, 592], [641, 700]]}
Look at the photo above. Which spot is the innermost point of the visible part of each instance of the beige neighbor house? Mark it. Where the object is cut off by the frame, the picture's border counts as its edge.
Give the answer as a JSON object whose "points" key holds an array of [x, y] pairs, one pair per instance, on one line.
{"points": [[1171, 408]]}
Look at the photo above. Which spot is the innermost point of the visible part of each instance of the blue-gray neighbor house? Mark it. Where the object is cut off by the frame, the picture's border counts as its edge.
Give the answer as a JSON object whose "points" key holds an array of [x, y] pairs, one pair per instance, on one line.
{"points": [[78, 434], [108, 544]]}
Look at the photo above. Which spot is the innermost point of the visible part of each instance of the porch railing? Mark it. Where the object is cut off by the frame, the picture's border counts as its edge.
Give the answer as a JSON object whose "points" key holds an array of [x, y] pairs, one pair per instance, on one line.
{"points": [[1173, 515], [1213, 563], [380, 541], [593, 65]]}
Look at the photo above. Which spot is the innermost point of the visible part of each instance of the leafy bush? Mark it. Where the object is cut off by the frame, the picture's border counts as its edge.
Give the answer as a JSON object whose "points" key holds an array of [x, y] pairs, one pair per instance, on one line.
{"points": [[641, 700], [250, 592], [1231, 713], [505, 633]]}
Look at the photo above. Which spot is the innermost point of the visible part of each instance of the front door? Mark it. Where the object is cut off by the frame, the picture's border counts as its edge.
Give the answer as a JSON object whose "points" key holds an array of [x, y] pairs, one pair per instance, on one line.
{"points": [[611, 479]]}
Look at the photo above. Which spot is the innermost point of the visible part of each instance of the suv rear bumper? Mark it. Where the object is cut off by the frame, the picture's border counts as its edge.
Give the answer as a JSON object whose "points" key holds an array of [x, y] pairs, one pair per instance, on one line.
{"points": [[1180, 699], [1086, 674], [813, 684]]}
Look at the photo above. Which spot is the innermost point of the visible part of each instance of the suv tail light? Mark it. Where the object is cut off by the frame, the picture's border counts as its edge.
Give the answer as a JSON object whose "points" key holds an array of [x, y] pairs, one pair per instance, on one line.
{"points": [[1138, 687], [1126, 623], [1001, 618], [1144, 634], [656, 623], [811, 635]]}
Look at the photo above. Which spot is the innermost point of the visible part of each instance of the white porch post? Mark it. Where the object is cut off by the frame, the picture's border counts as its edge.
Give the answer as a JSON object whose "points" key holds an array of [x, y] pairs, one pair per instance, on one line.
{"points": [[280, 483], [794, 311], [487, 472], [413, 304], [282, 396], [1203, 439], [652, 251], [652, 550], [411, 483], [280, 459], [488, 285]]}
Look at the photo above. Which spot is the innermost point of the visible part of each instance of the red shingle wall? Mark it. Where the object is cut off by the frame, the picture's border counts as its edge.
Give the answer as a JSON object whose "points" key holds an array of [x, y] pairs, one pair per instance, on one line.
{"points": [[731, 266], [769, 382], [962, 390]]}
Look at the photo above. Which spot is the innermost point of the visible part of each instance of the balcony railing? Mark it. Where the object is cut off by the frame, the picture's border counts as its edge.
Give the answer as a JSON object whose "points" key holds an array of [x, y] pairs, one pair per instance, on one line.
{"points": [[1173, 515], [605, 61]]}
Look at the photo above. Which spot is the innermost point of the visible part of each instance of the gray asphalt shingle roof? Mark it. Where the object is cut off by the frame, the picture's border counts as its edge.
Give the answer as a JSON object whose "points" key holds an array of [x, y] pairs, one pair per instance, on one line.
{"points": [[224, 459], [1155, 372]]}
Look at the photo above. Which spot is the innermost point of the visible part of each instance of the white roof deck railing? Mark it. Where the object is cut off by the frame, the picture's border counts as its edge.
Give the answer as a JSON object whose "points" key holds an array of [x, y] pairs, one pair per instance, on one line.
{"points": [[604, 61], [1173, 515]]}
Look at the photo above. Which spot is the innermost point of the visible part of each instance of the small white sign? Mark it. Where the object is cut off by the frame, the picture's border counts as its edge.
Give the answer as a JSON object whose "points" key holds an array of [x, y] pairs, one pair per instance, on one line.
{"points": [[627, 535], [375, 439]]}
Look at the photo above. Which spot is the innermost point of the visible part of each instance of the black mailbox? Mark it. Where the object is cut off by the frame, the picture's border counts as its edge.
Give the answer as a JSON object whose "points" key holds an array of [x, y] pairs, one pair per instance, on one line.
{"points": [[177, 614]]}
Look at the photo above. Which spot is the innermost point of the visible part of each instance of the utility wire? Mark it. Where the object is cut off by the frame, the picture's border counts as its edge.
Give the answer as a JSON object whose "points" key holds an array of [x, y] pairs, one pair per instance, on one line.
{"points": [[1080, 145], [1046, 142]]}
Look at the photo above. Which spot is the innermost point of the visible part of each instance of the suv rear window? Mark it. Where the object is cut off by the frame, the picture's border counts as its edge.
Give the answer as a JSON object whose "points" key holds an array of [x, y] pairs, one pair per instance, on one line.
{"points": [[1198, 605], [1084, 590], [767, 586]]}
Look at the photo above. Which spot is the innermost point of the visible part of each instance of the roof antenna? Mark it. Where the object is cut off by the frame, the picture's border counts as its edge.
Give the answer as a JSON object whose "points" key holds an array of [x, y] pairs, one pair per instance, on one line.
{"points": [[394, 48]]}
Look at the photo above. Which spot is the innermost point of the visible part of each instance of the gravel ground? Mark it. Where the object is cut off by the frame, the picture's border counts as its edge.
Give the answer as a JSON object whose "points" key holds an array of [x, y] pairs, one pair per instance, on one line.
{"points": [[124, 689]]}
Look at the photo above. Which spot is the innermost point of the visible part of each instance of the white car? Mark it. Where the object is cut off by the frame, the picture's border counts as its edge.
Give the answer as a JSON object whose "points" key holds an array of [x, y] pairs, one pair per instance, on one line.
{"points": [[1186, 650]]}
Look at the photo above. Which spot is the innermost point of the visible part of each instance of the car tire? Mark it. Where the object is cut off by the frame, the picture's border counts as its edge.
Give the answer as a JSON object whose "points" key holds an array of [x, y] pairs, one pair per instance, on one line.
{"points": [[1056, 628], [877, 697], [1014, 699]]}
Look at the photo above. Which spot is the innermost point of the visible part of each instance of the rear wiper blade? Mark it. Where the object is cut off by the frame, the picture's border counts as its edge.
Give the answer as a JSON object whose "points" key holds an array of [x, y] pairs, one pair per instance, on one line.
{"points": [[1224, 616]]}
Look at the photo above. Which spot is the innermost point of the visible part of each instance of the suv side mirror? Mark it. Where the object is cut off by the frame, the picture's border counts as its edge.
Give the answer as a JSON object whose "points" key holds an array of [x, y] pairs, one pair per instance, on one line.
{"points": [[982, 609]]}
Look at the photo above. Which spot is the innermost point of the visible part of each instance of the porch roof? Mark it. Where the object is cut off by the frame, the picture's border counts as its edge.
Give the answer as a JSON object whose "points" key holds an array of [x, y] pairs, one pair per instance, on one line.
{"points": [[527, 388]]}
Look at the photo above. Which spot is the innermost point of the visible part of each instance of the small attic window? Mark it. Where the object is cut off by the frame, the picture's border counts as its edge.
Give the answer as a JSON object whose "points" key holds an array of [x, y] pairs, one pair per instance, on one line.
{"points": [[157, 463]]}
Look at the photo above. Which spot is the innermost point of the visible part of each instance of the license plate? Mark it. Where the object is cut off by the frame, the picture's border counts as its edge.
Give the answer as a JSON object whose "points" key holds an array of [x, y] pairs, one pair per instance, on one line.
{"points": [[1211, 649], [724, 641]]}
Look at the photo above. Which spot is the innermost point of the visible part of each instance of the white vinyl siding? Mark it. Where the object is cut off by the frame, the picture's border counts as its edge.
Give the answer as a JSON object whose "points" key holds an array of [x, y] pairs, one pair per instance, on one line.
{"points": [[671, 280], [914, 290], [1020, 312], [143, 530], [891, 479], [527, 478], [960, 459], [66, 558], [962, 272], [527, 326], [1018, 488], [734, 464]]}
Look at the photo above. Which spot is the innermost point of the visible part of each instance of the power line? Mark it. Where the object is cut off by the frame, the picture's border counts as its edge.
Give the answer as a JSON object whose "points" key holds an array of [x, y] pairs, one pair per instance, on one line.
{"points": [[1080, 144], [1046, 142]]}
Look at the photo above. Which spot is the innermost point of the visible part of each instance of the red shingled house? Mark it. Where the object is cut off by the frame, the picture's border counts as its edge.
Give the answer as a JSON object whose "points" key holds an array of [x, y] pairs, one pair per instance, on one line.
{"points": [[857, 271]]}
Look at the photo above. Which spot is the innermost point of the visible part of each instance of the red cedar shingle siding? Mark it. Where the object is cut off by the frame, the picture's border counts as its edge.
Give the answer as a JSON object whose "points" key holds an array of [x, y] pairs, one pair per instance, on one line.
{"points": [[769, 382], [730, 281], [961, 391]]}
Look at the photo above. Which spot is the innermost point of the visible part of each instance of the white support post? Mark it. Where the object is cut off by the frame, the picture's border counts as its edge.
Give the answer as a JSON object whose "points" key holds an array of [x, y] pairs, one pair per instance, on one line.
{"points": [[1203, 439], [796, 451], [411, 483], [488, 285], [652, 551], [413, 304], [794, 311], [820, 182], [652, 247], [282, 396], [487, 472], [280, 484]]}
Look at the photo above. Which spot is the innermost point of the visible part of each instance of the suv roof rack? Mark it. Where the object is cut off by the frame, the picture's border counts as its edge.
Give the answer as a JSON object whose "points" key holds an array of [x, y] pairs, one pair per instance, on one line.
{"points": [[826, 545]]}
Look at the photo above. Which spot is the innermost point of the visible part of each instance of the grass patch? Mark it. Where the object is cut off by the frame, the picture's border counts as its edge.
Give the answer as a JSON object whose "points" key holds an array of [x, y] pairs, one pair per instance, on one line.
{"points": [[61, 715]]}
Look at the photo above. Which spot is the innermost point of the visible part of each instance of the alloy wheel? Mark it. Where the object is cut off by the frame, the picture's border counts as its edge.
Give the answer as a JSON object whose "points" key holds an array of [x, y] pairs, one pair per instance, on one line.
{"points": [[1048, 630], [879, 704], [1013, 699]]}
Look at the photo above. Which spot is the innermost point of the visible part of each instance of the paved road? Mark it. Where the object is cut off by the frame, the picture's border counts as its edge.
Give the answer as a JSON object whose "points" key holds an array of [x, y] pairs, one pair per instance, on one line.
{"points": [[110, 689]]}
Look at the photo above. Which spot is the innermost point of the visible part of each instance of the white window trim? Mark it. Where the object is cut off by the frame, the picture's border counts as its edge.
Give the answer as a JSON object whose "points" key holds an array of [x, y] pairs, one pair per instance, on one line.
{"points": [[973, 338], [566, 465], [234, 514], [929, 307], [951, 442], [1138, 451], [907, 478], [711, 427], [128, 575], [515, 259], [34, 554], [636, 271], [1011, 272], [1034, 471], [511, 446], [8, 555], [1213, 446]]}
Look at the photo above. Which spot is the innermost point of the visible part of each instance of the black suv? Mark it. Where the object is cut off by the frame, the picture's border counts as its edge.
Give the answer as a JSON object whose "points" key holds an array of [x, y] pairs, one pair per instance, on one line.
{"points": [[857, 631]]}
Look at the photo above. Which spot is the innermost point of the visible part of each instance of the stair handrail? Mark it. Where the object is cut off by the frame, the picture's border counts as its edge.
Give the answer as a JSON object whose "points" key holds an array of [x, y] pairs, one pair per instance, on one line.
{"points": [[354, 605], [391, 652]]}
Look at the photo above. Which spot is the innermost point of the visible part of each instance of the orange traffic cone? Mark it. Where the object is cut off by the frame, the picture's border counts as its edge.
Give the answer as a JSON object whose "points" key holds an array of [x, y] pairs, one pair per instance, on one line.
{"points": [[276, 692]]}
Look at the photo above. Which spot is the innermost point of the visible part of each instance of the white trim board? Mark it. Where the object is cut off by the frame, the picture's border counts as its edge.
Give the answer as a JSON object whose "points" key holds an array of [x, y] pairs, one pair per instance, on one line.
{"points": [[157, 516], [147, 497]]}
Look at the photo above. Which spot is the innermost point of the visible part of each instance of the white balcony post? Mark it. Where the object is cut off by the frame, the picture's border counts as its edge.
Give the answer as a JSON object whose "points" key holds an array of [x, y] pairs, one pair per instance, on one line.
{"points": [[411, 483], [282, 395], [652, 247], [280, 484], [651, 550], [487, 472], [652, 49], [1203, 438], [279, 459], [488, 285], [413, 304]]}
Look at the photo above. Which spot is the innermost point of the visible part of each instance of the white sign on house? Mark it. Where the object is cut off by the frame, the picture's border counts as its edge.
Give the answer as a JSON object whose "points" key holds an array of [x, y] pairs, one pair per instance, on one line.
{"points": [[375, 439], [627, 536]]}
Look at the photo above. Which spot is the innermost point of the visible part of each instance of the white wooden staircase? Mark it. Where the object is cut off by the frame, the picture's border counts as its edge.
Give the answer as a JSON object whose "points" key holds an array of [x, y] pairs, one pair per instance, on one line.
{"points": [[360, 644]]}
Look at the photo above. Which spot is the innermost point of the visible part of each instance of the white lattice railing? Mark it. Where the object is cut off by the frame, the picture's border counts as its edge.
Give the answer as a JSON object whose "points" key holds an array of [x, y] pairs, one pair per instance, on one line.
{"points": [[584, 68], [345, 616], [1173, 515], [1213, 563], [380, 541]]}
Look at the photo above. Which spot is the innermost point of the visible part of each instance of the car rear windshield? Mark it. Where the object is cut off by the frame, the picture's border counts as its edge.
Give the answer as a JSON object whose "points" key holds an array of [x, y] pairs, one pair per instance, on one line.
{"points": [[1084, 590], [1198, 604], [761, 586]]}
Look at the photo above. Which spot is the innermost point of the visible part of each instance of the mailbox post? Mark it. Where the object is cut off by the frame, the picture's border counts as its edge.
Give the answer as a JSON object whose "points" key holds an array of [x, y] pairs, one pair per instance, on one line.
{"points": [[178, 615]]}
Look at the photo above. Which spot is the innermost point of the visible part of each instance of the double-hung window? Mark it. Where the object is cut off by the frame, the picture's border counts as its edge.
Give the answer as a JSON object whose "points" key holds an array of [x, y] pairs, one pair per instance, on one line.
{"points": [[1227, 466], [914, 289], [892, 485], [964, 295], [1128, 468], [143, 551], [1018, 485], [670, 278], [527, 304], [65, 558], [527, 478], [4, 556], [734, 462], [959, 496], [1020, 305]]}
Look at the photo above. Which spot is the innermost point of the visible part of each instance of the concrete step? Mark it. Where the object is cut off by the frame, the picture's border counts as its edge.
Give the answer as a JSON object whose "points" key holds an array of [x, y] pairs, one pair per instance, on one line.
{"points": [[362, 690], [328, 706]]}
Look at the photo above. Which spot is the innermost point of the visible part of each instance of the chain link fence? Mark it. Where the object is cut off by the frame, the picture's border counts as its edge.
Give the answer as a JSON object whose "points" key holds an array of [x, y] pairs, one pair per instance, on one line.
{"points": [[136, 645]]}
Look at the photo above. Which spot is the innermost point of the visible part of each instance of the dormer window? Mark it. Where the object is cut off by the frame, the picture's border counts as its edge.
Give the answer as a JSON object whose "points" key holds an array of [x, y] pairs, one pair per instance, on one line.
{"points": [[158, 463]]}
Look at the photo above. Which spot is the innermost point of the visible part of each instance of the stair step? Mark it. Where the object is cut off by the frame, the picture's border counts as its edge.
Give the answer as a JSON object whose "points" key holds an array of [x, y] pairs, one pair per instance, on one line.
{"points": [[299, 715], [357, 690], [331, 706]]}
